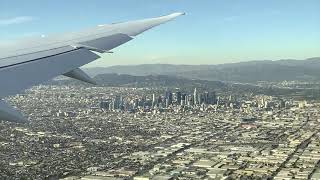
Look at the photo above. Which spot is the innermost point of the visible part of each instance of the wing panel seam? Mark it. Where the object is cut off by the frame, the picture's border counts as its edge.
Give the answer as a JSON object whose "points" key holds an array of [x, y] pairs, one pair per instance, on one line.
{"points": [[32, 53], [37, 59]]}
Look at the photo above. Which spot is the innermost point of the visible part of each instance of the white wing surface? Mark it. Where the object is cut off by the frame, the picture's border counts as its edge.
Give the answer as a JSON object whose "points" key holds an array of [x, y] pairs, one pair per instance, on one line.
{"points": [[26, 63]]}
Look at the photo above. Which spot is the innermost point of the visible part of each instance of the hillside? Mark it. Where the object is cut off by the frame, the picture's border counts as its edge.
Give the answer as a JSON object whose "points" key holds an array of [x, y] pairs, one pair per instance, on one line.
{"points": [[253, 71]]}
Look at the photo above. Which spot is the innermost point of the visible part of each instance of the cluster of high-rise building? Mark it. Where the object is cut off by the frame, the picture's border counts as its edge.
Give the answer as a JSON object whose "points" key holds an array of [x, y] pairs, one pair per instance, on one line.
{"points": [[168, 135], [180, 98], [165, 100]]}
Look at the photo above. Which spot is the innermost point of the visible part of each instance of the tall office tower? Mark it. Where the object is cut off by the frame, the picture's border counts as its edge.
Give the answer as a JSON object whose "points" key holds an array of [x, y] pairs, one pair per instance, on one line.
{"points": [[206, 98], [153, 100], [262, 103], [178, 97], [126, 105], [121, 100], [159, 100], [183, 98], [212, 98], [104, 104], [282, 103], [190, 101], [170, 98], [195, 97], [143, 101], [122, 107], [201, 98], [218, 101], [136, 103], [167, 103], [166, 94], [111, 105], [118, 102]]}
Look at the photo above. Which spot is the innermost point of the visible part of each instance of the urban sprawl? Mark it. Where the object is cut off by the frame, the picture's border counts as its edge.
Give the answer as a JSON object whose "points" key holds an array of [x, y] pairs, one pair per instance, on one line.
{"points": [[82, 132]]}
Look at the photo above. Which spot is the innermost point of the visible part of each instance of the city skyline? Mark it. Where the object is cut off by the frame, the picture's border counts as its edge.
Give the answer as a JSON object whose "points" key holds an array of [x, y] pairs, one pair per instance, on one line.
{"points": [[247, 135], [156, 101], [160, 120], [213, 32]]}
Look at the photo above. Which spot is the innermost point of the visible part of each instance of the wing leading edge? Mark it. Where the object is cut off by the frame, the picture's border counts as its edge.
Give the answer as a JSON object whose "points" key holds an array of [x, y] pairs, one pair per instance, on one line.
{"points": [[32, 62]]}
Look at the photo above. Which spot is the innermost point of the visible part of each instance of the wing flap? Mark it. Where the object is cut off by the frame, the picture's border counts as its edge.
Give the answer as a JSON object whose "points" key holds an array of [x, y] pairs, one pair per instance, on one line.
{"points": [[8, 113], [80, 75]]}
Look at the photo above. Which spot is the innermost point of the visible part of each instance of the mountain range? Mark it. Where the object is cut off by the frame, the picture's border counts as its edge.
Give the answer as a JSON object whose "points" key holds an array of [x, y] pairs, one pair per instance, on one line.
{"points": [[150, 81], [252, 71]]}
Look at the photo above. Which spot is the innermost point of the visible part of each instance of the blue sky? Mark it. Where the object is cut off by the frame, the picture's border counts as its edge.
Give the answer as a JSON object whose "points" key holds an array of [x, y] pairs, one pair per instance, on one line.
{"points": [[212, 32]]}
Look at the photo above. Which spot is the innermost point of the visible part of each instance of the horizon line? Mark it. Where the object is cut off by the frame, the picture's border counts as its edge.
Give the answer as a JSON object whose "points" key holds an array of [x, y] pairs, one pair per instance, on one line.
{"points": [[317, 57]]}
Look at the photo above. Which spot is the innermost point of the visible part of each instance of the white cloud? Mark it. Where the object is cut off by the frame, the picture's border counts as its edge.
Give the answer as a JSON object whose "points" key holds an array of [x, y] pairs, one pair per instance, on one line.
{"points": [[15, 20]]}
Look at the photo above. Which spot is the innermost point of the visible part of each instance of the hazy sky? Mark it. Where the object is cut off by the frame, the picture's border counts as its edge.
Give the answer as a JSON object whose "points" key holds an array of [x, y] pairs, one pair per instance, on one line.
{"points": [[213, 31]]}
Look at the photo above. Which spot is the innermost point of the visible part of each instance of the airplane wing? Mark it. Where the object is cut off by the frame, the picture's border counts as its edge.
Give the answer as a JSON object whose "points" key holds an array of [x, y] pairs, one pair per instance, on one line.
{"points": [[27, 63]]}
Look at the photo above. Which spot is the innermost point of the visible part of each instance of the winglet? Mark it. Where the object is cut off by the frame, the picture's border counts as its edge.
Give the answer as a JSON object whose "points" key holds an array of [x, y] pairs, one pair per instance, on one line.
{"points": [[8, 113], [174, 15], [80, 75]]}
